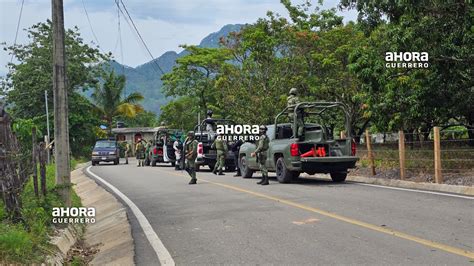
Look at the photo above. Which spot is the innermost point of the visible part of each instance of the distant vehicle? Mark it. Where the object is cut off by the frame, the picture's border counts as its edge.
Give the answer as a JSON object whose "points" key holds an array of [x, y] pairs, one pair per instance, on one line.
{"points": [[316, 151], [205, 137], [162, 149], [105, 151]]}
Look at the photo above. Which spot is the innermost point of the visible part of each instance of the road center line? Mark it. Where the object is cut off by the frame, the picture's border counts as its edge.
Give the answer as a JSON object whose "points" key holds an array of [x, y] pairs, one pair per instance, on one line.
{"points": [[429, 243], [155, 242]]}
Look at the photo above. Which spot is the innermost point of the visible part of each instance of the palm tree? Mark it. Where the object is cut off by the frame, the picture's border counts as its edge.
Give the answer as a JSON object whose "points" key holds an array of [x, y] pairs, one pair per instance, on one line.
{"points": [[109, 102]]}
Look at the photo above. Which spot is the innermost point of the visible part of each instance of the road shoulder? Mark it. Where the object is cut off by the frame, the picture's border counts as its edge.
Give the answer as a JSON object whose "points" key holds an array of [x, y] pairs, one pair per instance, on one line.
{"points": [[111, 232]]}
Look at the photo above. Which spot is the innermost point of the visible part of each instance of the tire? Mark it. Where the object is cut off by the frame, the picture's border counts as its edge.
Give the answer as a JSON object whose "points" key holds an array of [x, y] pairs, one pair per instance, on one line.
{"points": [[153, 163], [244, 169], [173, 164], [94, 163], [116, 162], [230, 168], [197, 167], [338, 177], [211, 166], [295, 174], [282, 173]]}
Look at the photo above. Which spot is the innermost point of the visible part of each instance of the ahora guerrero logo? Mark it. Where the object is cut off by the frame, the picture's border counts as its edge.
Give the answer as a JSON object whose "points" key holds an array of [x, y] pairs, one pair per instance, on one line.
{"points": [[75, 215], [406, 60], [238, 132]]}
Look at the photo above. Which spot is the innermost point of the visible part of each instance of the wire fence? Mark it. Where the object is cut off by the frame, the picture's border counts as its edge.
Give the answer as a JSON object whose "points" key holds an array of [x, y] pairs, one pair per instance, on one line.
{"points": [[436, 156]]}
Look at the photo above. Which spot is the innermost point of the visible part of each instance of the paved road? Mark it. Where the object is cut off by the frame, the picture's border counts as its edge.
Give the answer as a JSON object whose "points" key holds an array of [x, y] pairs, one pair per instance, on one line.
{"points": [[230, 220]]}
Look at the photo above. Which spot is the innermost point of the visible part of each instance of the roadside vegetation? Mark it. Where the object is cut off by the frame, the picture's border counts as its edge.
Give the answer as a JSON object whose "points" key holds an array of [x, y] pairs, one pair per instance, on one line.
{"points": [[27, 242]]}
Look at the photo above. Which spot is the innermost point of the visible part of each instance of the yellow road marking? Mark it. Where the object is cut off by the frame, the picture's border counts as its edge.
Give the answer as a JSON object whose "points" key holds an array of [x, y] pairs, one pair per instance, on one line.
{"points": [[429, 243], [307, 221]]}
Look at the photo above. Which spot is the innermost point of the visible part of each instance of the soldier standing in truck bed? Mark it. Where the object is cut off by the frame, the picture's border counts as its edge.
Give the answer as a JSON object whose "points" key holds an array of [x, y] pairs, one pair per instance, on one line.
{"points": [[291, 103]]}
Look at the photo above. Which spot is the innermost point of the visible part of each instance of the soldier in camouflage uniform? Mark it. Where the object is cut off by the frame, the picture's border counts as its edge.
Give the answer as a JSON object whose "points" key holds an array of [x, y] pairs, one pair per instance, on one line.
{"points": [[127, 152], [291, 103], [140, 152], [221, 147], [261, 153], [190, 154]]}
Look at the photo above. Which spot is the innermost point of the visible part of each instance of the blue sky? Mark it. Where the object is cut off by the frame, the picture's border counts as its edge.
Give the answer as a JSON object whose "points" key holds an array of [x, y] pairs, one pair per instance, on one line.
{"points": [[164, 24]]}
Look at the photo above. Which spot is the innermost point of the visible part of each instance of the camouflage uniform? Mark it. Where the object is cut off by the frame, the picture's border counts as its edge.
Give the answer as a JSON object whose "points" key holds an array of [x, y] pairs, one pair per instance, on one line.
{"points": [[221, 148], [291, 103], [190, 151], [140, 152], [261, 153], [127, 152]]}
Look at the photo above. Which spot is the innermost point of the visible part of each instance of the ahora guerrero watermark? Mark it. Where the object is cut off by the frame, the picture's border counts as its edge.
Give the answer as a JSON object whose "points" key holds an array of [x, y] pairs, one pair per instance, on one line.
{"points": [[238, 132], [406, 60], [73, 215]]}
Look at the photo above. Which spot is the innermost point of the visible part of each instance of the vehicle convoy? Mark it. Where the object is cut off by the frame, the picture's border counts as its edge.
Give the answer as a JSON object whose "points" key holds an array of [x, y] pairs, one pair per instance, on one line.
{"points": [[105, 150], [205, 134], [314, 151], [162, 149]]}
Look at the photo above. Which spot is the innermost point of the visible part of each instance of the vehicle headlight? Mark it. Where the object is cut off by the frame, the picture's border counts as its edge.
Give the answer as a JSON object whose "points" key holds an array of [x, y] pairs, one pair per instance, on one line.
{"points": [[95, 153], [112, 153]]}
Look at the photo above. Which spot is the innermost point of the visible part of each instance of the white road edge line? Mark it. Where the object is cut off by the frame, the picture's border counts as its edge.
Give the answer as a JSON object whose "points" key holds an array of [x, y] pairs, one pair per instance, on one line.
{"points": [[161, 251], [416, 190]]}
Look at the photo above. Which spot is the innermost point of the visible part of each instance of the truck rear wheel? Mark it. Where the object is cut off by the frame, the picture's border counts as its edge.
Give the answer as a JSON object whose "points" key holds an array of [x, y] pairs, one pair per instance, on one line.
{"points": [[153, 162], [283, 174], [244, 168], [338, 177]]}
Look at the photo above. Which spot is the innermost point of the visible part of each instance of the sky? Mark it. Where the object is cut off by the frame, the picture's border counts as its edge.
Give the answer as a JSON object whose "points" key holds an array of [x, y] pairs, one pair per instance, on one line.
{"points": [[163, 24]]}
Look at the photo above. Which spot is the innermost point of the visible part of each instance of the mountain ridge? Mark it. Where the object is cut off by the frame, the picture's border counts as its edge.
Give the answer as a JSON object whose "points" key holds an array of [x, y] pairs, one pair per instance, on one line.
{"points": [[146, 78]]}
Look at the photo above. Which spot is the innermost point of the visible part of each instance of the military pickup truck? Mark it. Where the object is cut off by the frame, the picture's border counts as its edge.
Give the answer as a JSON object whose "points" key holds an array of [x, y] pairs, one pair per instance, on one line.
{"points": [[162, 149], [315, 151], [205, 134]]}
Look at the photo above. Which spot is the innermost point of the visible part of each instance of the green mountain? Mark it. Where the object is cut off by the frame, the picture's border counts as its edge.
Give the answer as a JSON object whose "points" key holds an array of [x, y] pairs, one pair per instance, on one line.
{"points": [[146, 78]]}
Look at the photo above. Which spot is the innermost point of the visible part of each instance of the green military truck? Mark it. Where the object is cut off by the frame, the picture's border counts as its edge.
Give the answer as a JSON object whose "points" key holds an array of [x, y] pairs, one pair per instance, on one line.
{"points": [[315, 151]]}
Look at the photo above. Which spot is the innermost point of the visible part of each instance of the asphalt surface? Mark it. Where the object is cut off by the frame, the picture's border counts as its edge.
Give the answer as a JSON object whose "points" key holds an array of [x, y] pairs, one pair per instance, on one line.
{"points": [[231, 220]]}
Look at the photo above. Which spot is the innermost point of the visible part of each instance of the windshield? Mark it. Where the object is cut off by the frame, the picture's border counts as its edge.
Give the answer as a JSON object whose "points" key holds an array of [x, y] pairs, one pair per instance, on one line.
{"points": [[105, 144]]}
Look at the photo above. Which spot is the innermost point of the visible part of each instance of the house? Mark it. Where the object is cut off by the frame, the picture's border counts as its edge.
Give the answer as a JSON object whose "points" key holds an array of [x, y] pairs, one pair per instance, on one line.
{"points": [[133, 134]]}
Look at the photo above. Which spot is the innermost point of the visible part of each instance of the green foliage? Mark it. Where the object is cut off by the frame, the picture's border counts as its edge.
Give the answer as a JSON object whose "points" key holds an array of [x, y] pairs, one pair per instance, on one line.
{"points": [[142, 119], [180, 113], [110, 103], [28, 242], [27, 80]]}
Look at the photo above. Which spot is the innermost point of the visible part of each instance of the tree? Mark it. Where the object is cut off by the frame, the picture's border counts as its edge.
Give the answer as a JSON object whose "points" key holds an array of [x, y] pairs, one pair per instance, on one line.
{"points": [[109, 103], [195, 74], [27, 80], [180, 113], [142, 119]]}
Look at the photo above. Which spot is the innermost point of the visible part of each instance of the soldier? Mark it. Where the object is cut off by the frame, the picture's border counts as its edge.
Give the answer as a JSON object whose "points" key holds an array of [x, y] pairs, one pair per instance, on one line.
{"points": [[190, 154], [177, 154], [127, 151], [261, 153], [221, 147], [291, 103], [140, 152], [235, 148]]}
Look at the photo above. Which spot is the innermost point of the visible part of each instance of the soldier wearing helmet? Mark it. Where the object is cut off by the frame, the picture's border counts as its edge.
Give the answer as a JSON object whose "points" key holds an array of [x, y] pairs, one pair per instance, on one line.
{"points": [[261, 154], [291, 103], [190, 154]]}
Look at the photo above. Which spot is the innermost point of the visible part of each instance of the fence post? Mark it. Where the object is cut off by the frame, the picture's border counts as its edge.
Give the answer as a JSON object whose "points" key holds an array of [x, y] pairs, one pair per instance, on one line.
{"points": [[369, 151], [34, 161], [42, 161], [437, 156], [401, 153]]}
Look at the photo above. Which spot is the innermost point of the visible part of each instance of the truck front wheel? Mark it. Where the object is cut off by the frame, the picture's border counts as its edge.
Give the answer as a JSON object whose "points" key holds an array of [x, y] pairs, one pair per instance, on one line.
{"points": [[283, 174], [338, 177], [244, 168]]}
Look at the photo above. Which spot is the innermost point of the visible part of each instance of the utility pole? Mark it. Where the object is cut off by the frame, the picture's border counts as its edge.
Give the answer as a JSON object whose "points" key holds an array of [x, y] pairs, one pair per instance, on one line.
{"points": [[47, 125], [61, 127]]}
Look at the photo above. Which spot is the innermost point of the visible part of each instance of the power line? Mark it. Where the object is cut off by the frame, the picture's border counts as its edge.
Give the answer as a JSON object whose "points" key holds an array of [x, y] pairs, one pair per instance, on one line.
{"points": [[90, 25], [120, 37], [141, 38], [18, 27]]}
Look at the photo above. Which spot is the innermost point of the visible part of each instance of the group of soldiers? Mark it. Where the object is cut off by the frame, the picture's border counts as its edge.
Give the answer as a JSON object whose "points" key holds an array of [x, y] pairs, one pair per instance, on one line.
{"points": [[191, 145]]}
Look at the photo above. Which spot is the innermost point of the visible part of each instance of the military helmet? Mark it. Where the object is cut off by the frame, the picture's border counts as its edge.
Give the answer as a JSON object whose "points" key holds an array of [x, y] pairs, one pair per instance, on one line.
{"points": [[190, 134], [263, 128], [209, 112], [162, 123], [293, 91]]}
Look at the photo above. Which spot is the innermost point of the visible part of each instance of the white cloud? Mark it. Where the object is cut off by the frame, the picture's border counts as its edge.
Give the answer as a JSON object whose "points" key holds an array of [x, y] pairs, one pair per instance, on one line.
{"points": [[164, 24]]}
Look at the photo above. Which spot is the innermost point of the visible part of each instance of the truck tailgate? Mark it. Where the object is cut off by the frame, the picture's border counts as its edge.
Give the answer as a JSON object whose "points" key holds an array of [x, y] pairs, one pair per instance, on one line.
{"points": [[327, 164]]}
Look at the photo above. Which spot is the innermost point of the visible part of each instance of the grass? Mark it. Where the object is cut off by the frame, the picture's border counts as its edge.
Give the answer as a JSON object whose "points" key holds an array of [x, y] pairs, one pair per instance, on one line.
{"points": [[28, 242]]}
